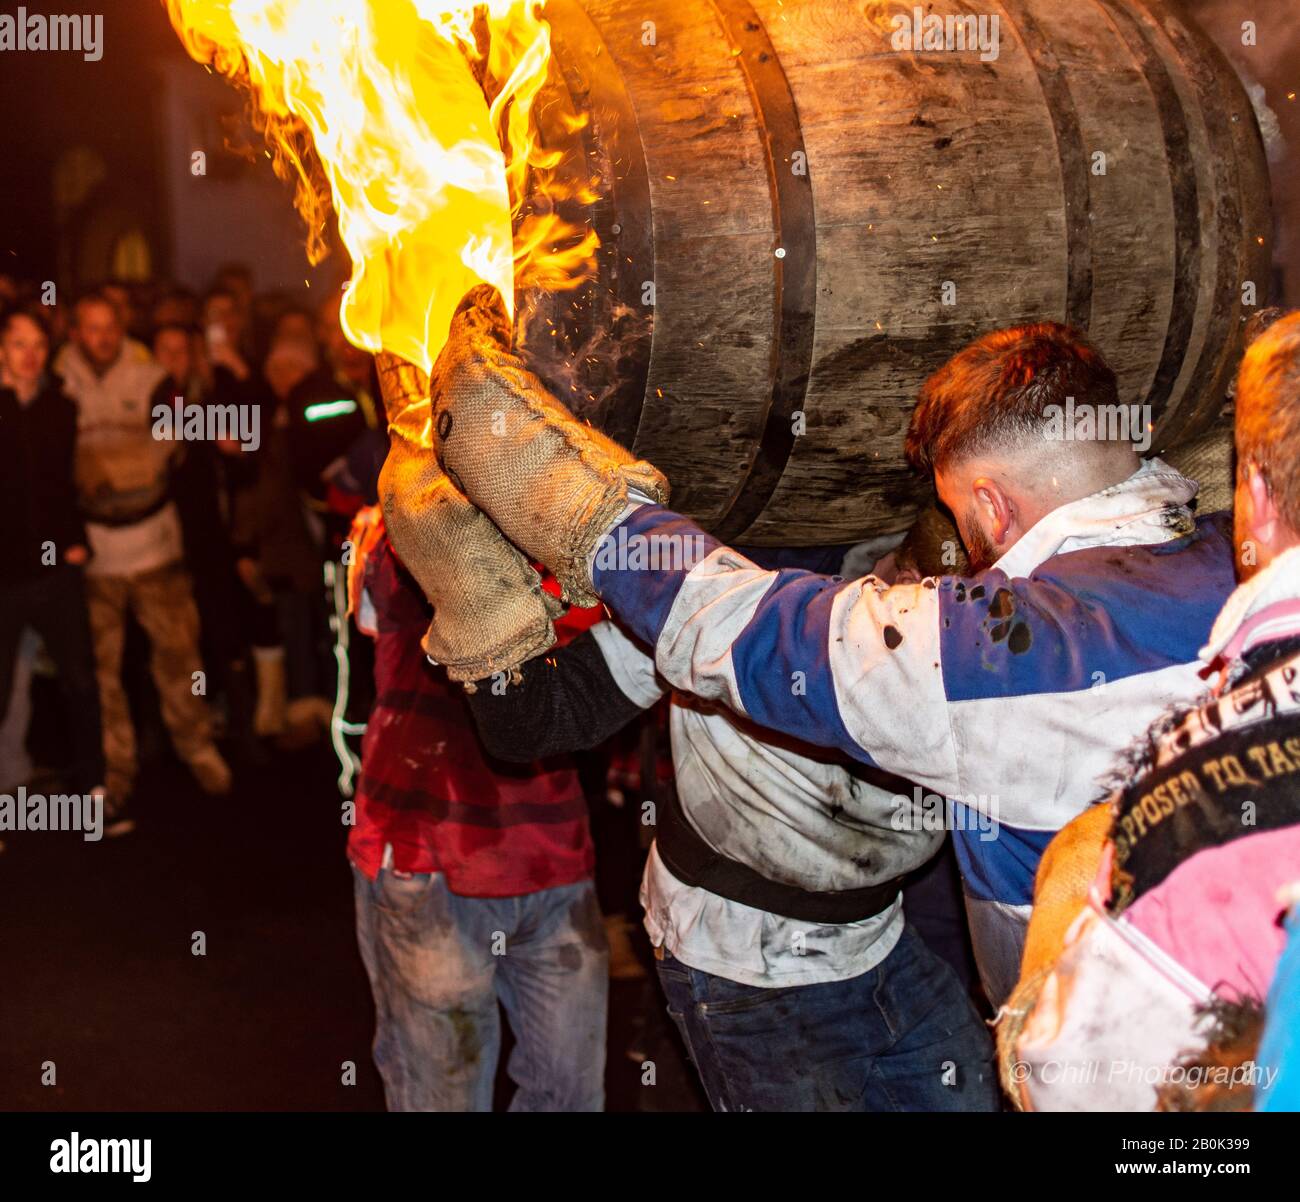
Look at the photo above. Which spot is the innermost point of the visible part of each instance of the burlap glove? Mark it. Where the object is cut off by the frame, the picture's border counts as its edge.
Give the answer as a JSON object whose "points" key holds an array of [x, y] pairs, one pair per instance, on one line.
{"points": [[553, 484], [490, 613]]}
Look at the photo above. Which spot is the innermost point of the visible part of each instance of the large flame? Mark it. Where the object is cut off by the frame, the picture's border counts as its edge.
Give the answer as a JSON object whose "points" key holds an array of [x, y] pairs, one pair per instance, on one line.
{"points": [[435, 187]]}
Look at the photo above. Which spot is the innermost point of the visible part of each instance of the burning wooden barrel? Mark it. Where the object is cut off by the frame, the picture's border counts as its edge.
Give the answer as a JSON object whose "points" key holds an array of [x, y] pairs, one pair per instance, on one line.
{"points": [[803, 213]]}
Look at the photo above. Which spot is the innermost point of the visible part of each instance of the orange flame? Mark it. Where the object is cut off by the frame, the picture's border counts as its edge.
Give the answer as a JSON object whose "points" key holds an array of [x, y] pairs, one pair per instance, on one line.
{"points": [[384, 105]]}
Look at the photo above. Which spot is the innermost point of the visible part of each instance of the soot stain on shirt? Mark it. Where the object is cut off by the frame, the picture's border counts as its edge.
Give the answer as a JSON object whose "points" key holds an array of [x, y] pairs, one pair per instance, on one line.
{"points": [[1003, 604]]}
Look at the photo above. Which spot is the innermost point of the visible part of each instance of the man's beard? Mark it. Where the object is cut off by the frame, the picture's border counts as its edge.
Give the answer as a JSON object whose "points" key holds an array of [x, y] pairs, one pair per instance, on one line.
{"points": [[979, 547]]}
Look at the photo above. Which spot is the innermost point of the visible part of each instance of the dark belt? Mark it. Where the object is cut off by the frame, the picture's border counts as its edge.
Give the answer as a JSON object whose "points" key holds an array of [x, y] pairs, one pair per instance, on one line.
{"points": [[132, 519], [694, 862]]}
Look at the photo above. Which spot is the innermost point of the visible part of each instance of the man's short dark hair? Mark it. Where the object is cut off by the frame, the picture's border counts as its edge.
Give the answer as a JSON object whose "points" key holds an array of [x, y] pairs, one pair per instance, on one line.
{"points": [[172, 327], [219, 290], [93, 296], [34, 312], [995, 391], [238, 271]]}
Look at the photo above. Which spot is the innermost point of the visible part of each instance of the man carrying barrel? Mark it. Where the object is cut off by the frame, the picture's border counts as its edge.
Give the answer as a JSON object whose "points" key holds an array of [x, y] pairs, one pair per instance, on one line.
{"points": [[1008, 692], [786, 909]]}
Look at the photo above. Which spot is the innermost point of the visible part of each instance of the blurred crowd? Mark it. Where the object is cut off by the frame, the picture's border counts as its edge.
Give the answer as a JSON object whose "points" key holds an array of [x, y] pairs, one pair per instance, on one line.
{"points": [[181, 468]]}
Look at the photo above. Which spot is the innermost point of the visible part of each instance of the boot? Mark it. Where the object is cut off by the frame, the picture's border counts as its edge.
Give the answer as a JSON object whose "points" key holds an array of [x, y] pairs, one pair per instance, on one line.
{"points": [[306, 719], [269, 717], [240, 707], [210, 770], [116, 820]]}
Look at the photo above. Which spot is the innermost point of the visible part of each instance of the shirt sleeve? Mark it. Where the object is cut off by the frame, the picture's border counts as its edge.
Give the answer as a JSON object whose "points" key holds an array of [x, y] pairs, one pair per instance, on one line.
{"points": [[853, 665], [568, 701]]}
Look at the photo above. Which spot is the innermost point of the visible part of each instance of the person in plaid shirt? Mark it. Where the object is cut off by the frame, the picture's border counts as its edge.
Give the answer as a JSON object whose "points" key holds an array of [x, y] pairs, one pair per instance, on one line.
{"points": [[473, 883]]}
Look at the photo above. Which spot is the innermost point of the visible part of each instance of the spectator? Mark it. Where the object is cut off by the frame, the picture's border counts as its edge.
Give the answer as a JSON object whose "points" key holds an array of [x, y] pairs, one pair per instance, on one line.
{"points": [[353, 448], [233, 381], [295, 325], [290, 552], [132, 350], [178, 306], [236, 281], [43, 584], [226, 334], [325, 412], [199, 488], [123, 298], [137, 550]]}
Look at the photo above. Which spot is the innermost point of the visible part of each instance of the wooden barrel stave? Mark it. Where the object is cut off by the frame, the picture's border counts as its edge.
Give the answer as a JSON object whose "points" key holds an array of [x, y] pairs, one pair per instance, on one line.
{"points": [[922, 169]]}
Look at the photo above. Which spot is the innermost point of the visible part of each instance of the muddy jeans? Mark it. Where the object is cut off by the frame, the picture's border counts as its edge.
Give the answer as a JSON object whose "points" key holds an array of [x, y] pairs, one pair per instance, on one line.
{"points": [[163, 604], [438, 965]]}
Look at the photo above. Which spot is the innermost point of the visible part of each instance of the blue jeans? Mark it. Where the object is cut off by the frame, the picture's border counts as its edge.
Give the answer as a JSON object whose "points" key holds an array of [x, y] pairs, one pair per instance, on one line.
{"points": [[438, 965], [53, 604], [903, 1036]]}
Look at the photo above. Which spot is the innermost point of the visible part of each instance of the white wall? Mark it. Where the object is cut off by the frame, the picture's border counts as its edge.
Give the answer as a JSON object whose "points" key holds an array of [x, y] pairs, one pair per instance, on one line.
{"points": [[1274, 65], [239, 210]]}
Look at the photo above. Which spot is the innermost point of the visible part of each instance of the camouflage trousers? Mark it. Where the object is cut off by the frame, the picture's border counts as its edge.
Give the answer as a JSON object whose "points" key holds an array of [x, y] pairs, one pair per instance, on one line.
{"points": [[162, 601]]}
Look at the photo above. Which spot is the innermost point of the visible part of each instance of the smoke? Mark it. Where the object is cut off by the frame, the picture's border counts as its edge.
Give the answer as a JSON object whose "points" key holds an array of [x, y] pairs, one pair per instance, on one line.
{"points": [[588, 348]]}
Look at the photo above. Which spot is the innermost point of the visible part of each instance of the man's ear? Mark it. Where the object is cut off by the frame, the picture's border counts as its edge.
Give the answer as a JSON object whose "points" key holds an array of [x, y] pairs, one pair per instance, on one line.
{"points": [[1264, 524], [997, 508]]}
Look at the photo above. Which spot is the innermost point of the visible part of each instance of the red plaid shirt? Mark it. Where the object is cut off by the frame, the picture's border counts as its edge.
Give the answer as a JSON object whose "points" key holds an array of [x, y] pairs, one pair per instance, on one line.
{"points": [[429, 799]]}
